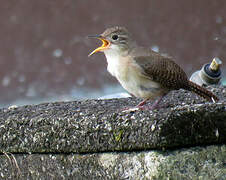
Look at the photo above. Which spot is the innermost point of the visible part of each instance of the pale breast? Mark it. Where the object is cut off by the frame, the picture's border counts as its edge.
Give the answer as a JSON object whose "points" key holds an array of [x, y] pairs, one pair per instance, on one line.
{"points": [[128, 75], [117, 66]]}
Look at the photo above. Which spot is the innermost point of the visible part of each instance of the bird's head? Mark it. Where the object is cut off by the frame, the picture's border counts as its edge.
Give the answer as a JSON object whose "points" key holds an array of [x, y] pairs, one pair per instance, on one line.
{"points": [[115, 39]]}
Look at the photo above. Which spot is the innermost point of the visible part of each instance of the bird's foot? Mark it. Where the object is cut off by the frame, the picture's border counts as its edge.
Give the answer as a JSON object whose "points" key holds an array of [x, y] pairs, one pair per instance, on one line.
{"points": [[148, 107], [142, 106], [136, 108], [130, 109]]}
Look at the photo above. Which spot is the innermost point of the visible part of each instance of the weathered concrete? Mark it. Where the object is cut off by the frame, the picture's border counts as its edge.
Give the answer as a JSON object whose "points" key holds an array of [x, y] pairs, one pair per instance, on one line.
{"points": [[201, 163], [98, 125], [45, 135]]}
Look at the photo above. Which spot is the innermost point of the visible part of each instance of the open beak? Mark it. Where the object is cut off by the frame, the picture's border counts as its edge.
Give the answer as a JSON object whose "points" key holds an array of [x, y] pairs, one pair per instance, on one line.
{"points": [[104, 46]]}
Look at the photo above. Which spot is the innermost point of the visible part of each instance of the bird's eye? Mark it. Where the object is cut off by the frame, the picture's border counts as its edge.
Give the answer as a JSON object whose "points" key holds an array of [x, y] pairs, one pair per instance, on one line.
{"points": [[114, 37]]}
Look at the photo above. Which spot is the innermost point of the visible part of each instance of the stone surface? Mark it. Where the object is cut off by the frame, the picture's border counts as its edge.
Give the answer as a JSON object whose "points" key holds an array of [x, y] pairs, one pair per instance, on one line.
{"points": [[95, 139], [203, 163], [100, 125]]}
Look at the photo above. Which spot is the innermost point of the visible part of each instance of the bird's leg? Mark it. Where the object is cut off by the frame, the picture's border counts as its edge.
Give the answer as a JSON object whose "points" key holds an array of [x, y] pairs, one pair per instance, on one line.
{"points": [[137, 107], [156, 103], [141, 104]]}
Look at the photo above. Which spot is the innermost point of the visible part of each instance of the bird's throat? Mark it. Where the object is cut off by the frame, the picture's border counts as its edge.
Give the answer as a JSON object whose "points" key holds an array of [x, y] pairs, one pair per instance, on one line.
{"points": [[115, 62]]}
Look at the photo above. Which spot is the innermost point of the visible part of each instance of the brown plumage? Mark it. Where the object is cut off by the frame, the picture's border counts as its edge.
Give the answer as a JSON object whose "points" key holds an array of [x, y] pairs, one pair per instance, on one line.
{"points": [[171, 76], [143, 72], [202, 92]]}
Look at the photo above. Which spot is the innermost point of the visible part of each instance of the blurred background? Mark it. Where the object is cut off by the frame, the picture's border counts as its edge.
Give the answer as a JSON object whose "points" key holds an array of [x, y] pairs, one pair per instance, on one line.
{"points": [[44, 49]]}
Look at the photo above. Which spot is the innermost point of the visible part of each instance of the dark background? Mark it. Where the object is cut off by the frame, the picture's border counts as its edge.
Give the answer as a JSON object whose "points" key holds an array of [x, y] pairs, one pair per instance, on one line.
{"points": [[43, 44]]}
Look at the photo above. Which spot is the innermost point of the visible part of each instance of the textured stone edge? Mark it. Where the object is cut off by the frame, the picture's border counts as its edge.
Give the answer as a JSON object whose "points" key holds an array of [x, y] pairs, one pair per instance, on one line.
{"points": [[188, 163], [61, 128]]}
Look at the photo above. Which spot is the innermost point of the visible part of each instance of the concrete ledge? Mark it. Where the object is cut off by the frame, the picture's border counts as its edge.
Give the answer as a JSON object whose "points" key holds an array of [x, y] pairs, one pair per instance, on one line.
{"points": [[44, 138]]}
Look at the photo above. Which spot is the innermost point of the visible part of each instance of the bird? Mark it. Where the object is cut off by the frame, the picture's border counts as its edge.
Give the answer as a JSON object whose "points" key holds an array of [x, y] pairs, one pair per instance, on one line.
{"points": [[141, 71]]}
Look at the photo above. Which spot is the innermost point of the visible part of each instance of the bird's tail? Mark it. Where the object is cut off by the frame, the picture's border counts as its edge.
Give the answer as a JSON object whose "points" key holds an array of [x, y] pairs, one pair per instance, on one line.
{"points": [[202, 92]]}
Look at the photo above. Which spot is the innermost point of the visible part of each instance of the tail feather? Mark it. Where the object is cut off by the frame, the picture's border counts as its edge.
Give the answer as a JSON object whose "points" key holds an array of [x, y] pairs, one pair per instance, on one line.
{"points": [[202, 92]]}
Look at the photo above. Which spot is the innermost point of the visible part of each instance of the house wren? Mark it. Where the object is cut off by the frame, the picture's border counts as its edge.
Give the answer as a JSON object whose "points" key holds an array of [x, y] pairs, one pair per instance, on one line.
{"points": [[141, 71]]}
